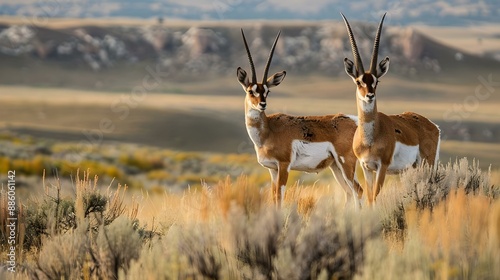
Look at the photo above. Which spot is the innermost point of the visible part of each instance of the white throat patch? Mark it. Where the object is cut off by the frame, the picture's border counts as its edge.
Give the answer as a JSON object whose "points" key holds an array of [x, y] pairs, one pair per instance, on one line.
{"points": [[254, 134], [366, 104]]}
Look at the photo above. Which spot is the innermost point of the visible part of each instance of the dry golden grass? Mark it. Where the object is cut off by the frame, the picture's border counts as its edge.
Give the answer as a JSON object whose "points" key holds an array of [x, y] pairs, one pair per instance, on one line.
{"points": [[457, 233], [232, 230]]}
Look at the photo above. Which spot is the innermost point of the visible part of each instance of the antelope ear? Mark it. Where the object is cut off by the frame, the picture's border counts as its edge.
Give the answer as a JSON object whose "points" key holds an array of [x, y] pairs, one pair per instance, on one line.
{"points": [[383, 67], [242, 77], [275, 79], [350, 69]]}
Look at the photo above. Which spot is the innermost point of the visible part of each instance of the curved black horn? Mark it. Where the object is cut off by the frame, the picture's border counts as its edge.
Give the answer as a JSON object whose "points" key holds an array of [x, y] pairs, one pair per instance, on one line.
{"points": [[373, 63], [268, 64], [254, 77], [357, 59]]}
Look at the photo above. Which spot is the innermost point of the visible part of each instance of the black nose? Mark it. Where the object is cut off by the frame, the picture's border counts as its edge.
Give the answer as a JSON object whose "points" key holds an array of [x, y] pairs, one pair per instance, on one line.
{"points": [[370, 96], [262, 105]]}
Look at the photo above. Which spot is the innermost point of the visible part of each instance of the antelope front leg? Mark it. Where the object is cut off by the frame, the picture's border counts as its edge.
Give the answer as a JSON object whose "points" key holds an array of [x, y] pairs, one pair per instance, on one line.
{"points": [[274, 182], [379, 179], [368, 174], [279, 188]]}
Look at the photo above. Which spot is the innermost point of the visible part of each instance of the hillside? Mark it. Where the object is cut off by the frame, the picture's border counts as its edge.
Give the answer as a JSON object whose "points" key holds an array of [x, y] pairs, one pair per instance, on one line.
{"points": [[60, 80], [116, 57]]}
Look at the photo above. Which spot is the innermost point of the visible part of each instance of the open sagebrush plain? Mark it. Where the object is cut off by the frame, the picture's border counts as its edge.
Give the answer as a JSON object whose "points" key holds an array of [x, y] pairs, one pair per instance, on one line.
{"points": [[165, 185]]}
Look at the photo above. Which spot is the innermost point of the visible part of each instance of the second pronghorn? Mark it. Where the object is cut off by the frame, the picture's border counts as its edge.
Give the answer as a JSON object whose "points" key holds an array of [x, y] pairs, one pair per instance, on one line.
{"points": [[385, 143]]}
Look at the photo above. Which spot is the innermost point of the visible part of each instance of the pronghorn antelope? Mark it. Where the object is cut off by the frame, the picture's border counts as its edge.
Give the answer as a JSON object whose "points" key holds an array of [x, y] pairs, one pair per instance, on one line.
{"points": [[385, 143], [283, 142]]}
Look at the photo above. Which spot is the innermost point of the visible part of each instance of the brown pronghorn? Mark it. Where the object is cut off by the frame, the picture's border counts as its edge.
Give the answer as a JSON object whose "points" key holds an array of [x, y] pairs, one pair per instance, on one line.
{"points": [[385, 143], [283, 142]]}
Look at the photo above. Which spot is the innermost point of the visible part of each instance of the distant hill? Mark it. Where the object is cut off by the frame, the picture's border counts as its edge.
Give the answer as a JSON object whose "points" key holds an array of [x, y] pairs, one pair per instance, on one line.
{"points": [[112, 57], [444, 12]]}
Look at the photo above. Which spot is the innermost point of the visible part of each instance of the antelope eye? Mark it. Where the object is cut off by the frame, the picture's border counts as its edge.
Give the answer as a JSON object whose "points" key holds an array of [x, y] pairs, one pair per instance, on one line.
{"points": [[250, 92], [358, 83]]}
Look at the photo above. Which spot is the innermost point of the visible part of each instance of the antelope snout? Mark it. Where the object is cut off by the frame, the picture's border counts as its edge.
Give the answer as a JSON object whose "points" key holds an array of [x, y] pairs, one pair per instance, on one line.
{"points": [[262, 105], [370, 96]]}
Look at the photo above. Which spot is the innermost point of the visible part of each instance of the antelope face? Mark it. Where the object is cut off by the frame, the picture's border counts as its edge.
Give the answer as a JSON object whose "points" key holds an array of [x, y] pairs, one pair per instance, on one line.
{"points": [[365, 87], [366, 82], [256, 94]]}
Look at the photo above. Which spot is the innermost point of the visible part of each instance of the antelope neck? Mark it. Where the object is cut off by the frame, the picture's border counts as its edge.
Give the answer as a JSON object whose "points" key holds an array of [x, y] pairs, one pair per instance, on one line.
{"points": [[367, 121], [257, 123]]}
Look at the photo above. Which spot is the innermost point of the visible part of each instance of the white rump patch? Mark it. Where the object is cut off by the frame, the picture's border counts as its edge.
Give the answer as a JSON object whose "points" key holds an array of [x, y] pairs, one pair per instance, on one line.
{"points": [[438, 147], [403, 157], [436, 159], [353, 118], [306, 156]]}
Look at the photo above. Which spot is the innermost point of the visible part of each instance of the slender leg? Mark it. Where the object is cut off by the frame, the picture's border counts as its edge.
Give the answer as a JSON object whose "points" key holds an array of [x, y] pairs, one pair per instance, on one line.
{"points": [[368, 183], [347, 185], [340, 179], [357, 186], [281, 184], [380, 178], [349, 168], [274, 177]]}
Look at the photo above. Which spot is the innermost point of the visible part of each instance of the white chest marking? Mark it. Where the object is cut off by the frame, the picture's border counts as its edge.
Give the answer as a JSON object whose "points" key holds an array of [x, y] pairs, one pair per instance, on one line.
{"points": [[254, 134], [368, 129], [404, 156], [306, 156], [267, 162]]}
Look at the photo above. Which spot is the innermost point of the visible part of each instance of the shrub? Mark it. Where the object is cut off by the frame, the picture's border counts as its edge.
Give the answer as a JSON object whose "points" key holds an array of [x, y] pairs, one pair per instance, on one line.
{"points": [[62, 256], [425, 188], [142, 160], [256, 239], [329, 245], [116, 246]]}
